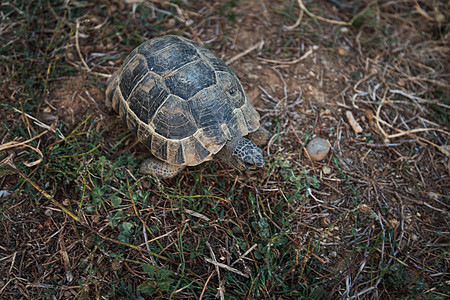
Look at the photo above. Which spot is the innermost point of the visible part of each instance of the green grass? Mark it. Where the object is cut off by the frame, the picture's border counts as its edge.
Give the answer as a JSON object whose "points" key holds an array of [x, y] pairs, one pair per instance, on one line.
{"points": [[98, 187]]}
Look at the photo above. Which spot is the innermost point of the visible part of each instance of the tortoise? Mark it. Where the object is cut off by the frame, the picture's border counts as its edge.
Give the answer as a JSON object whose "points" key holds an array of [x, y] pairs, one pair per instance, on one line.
{"points": [[186, 106]]}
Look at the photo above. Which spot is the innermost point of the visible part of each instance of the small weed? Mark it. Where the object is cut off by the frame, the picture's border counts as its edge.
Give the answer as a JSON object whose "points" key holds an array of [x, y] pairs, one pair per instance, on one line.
{"points": [[299, 182], [159, 280], [227, 10], [288, 11]]}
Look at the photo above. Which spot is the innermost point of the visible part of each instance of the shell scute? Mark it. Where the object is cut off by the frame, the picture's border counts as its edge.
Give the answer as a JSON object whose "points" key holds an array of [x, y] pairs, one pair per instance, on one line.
{"points": [[148, 98], [188, 80], [170, 57], [132, 75], [174, 119]]}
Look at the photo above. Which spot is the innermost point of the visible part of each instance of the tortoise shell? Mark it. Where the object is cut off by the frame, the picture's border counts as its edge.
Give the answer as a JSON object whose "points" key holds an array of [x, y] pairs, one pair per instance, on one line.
{"points": [[180, 100]]}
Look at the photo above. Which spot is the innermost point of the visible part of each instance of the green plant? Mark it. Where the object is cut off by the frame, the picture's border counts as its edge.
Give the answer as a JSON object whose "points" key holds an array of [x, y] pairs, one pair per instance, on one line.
{"points": [[159, 280]]}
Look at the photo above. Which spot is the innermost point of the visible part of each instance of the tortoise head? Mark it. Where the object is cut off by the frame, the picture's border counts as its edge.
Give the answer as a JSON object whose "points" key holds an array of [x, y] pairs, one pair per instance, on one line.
{"points": [[242, 154]]}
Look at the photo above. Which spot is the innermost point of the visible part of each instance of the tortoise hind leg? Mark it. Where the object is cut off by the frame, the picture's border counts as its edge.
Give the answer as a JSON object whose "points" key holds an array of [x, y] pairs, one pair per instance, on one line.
{"points": [[159, 168], [260, 137]]}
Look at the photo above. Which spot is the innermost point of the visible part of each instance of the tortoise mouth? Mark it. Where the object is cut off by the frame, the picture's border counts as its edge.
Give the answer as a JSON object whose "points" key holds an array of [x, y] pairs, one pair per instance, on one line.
{"points": [[254, 166], [250, 164]]}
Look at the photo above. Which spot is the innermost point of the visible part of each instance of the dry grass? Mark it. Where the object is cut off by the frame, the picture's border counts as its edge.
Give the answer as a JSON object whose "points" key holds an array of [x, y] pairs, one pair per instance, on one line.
{"points": [[370, 221]]}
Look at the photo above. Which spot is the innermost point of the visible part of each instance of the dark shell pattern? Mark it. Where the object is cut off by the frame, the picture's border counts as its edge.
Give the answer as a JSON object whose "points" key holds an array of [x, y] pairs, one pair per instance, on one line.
{"points": [[180, 100]]}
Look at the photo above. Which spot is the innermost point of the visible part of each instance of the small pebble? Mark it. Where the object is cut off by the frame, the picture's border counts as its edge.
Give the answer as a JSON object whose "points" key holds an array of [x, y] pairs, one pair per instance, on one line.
{"points": [[318, 148], [171, 23], [440, 18], [401, 83], [365, 209], [342, 52], [326, 170], [353, 123], [70, 56], [394, 223], [325, 222], [326, 112]]}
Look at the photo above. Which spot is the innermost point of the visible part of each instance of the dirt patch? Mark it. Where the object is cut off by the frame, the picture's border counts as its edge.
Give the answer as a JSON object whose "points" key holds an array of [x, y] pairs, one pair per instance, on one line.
{"points": [[73, 99]]}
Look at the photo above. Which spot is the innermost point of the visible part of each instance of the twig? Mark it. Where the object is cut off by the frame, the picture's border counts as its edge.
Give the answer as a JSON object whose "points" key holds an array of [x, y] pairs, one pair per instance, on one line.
{"points": [[196, 214], [15, 144], [77, 45], [362, 292], [400, 132], [224, 266], [40, 123], [245, 254], [206, 284], [358, 92], [155, 238], [9, 162], [292, 62], [421, 11], [420, 273], [214, 262], [303, 8], [342, 23], [252, 48], [297, 22], [311, 194]]}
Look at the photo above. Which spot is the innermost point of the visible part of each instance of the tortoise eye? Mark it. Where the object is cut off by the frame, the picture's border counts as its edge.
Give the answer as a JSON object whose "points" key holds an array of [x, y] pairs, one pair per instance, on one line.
{"points": [[232, 91]]}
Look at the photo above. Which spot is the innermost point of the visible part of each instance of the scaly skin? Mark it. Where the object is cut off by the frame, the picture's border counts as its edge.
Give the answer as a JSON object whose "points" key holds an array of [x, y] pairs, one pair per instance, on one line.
{"points": [[242, 154], [159, 168]]}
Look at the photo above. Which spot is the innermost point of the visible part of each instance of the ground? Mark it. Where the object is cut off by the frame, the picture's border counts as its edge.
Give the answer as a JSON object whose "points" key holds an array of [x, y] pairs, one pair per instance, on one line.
{"points": [[370, 221]]}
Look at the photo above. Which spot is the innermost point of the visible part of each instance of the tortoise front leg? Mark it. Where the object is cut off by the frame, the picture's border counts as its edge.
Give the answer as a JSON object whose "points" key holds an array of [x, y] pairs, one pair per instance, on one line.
{"points": [[159, 168], [260, 137]]}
